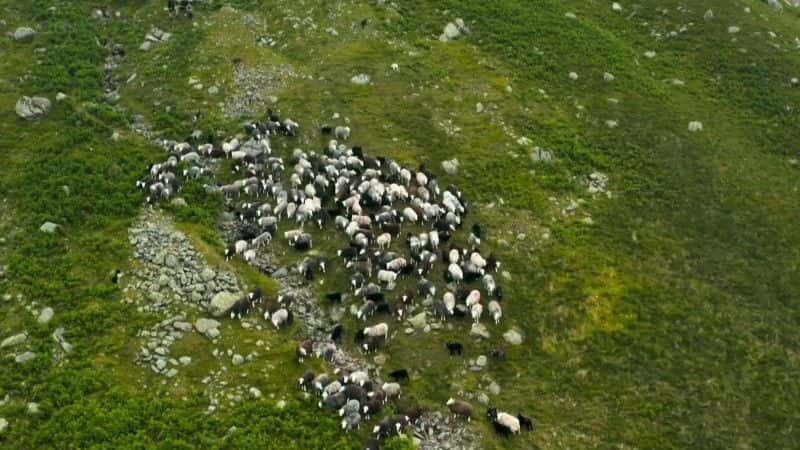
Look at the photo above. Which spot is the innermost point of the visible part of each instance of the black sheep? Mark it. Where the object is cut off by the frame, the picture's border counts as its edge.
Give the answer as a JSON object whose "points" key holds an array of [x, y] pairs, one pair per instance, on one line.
{"points": [[334, 297], [116, 277], [399, 375], [455, 348]]}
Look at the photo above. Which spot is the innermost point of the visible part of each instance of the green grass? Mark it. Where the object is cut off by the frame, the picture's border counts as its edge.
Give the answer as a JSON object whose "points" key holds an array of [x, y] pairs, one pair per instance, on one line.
{"points": [[668, 323]]}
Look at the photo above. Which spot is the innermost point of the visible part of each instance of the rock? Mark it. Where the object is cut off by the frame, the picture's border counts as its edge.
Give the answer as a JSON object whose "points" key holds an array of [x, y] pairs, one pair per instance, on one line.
{"points": [[481, 361], [616, 7], [178, 201], [775, 5], [208, 274], [281, 404], [24, 34], [608, 77], [161, 364], [182, 326], [733, 29], [695, 126], [360, 79], [14, 340], [171, 373], [479, 330], [45, 315], [408, 330], [221, 303], [30, 108], [494, 388], [513, 337], [418, 321], [237, 360], [213, 90], [203, 325], [33, 408], [379, 360], [146, 46], [450, 166], [185, 360], [3, 425], [61, 97], [281, 272], [48, 227], [255, 392], [649, 54], [573, 76], [709, 15], [450, 32], [24, 357]]}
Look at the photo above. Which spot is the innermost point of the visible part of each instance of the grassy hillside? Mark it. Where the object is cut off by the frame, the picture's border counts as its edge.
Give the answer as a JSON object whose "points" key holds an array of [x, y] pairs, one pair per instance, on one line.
{"points": [[661, 314]]}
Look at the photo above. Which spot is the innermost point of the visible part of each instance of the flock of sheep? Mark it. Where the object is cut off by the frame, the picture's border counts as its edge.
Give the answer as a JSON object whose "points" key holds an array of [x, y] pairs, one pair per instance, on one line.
{"points": [[399, 224]]}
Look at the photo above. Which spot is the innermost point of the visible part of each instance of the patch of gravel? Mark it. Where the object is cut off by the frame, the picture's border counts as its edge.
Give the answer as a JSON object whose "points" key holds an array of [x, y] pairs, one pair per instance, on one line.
{"points": [[256, 88]]}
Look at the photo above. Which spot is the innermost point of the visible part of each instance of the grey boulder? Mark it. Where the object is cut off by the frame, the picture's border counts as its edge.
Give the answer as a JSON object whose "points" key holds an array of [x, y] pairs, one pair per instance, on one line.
{"points": [[31, 108]]}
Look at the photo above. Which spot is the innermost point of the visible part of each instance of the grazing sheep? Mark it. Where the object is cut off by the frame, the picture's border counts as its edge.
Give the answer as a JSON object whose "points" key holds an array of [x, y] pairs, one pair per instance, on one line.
{"points": [[334, 297], [473, 298], [306, 380], [409, 215], [460, 408], [373, 343], [388, 277], [281, 317], [449, 302], [381, 329], [241, 246], [302, 242], [334, 401], [304, 349], [504, 423], [455, 272], [352, 406], [366, 310], [455, 348], [495, 311], [488, 283], [249, 255], [399, 375], [476, 311], [342, 133], [384, 240], [291, 235], [392, 390], [373, 406]]}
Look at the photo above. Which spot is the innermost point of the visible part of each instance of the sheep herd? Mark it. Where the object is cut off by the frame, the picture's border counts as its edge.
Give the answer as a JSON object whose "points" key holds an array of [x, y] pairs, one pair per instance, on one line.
{"points": [[399, 227]]}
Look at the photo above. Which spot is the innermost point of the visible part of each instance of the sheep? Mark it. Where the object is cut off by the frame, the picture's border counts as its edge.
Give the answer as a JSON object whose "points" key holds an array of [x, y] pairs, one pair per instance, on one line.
{"points": [[342, 133], [373, 406], [291, 235], [334, 297], [453, 256], [473, 298], [440, 310], [354, 391], [426, 288], [306, 380], [449, 302], [263, 238], [240, 246], [399, 375], [373, 343], [476, 311], [366, 310], [384, 240], [249, 255], [302, 242], [496, 311], [381, 329], [488, 283], [392, 390], [460, 408], [304, 349], [409, 215], [333, 388], [477, 259], [455, 348], [388, 277], [280, 318], [352, 406], [396, 264], [455, 272], [333, 401], [504, 423]]}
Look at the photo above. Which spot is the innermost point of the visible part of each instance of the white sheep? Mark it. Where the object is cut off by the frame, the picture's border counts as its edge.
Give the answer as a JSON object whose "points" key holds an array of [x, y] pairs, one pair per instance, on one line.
{"points": [[473, 297], [449, 302], [249, 255], [279, 317], [410, 215], [387, 276], [496, 311], [455, 273], [240, 246], [384, 240], [476, 312], [381, 329]]}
